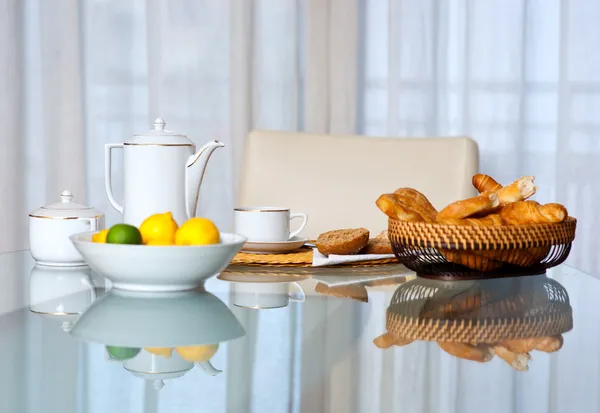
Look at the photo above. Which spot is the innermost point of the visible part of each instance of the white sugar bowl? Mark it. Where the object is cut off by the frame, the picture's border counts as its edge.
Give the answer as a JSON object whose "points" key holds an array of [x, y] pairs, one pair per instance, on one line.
{"points": [[50, 227]]}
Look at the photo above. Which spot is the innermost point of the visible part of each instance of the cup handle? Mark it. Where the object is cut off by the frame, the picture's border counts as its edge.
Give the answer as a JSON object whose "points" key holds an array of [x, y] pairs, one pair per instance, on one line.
{"points": [[304, 221], [298, 296]]}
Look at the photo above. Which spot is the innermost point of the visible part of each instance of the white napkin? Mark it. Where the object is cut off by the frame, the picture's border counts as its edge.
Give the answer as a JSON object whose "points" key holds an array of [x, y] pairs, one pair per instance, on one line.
{"points": [[319, 260]]}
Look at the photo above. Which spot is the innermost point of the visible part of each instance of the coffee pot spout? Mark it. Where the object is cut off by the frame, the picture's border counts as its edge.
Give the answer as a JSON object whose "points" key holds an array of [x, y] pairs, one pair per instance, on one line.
{"points": [[194, 172]]}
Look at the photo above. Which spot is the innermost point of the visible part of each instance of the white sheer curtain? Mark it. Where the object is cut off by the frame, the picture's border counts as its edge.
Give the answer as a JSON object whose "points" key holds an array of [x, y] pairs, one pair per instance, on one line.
{"points": [[522, 77]]}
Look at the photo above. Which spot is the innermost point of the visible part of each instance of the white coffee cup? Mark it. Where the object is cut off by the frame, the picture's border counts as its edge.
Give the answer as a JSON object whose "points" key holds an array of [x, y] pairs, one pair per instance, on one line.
{"points": [[263, 296], [267, 224]]}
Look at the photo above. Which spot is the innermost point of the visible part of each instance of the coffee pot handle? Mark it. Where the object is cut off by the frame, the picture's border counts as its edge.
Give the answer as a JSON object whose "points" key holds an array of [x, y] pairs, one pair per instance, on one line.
{"points": [[107, 174]]}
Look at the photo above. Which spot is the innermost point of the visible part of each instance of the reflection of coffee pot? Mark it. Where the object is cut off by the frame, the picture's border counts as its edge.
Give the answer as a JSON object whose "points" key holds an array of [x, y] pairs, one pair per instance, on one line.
{"points": [[162, 172]]}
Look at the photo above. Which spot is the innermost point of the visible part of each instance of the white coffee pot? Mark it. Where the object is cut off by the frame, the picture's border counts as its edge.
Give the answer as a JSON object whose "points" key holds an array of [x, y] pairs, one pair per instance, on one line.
{"points": [[162, 172]]}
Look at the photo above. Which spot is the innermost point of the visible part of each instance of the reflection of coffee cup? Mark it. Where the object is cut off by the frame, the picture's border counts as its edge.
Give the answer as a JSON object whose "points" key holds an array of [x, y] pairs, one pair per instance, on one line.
{"points": [[262, 296], [267, 224]]}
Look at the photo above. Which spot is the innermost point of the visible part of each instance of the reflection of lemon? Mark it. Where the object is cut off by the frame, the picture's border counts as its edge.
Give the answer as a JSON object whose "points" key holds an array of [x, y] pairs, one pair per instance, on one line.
{"points": [[197, 231], [160, 351], [123, 234], [159, 229], [100, 236], [197, 353]]}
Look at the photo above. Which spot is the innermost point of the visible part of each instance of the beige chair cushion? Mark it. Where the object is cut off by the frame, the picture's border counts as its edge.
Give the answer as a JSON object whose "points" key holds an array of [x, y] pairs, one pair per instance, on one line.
{"points": [[337, 179]]}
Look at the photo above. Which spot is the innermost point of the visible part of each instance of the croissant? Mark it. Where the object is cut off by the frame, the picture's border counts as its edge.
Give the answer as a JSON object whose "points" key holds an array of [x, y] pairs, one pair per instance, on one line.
{"points": [[531, 212], [485, 183], [481, 204], [481, 353], [393, 208], [416, 201], [407, 204]]}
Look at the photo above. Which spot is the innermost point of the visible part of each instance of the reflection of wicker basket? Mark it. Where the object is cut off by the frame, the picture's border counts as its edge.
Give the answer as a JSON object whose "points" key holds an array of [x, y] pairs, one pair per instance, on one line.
{"points": [[453, 251], [484, 311]]}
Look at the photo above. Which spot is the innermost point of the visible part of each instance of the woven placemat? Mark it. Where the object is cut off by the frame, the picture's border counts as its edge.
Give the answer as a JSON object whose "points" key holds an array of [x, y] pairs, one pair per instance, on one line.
{"points": [[303, 257]]}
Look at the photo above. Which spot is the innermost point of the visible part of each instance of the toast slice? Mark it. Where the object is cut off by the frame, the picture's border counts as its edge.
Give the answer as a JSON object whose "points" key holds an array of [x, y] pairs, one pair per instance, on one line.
{"points": [[342, 241]]}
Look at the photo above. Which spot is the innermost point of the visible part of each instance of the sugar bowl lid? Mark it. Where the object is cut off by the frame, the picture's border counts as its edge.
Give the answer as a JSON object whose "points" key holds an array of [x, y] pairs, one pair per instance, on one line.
{"points": [[66, 209]]}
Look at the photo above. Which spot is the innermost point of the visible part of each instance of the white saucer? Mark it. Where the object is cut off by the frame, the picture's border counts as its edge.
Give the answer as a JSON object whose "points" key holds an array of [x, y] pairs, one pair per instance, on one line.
{"points": [[262, 247]]}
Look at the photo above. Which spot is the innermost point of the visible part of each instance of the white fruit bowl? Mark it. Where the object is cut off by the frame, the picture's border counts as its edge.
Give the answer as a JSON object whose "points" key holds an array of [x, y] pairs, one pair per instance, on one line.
{"points": [[157, 268]]}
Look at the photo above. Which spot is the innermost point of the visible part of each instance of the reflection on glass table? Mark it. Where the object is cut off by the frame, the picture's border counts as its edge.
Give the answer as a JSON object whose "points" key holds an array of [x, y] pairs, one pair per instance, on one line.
{"points": [[311, 356], [477, 320]]}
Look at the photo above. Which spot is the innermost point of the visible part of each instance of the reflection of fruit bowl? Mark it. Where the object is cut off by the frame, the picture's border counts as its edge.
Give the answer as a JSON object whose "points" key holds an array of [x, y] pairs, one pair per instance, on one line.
{"points": [[157, 268], [159, 336]]}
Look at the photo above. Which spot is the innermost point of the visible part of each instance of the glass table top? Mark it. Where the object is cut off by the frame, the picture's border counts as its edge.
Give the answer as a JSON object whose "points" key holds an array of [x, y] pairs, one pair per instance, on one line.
{"points": [[302, 340]]}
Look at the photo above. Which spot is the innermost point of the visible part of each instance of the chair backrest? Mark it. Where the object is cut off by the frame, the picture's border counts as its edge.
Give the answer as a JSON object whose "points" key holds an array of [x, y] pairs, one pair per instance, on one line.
{"points": [[337, 179]]}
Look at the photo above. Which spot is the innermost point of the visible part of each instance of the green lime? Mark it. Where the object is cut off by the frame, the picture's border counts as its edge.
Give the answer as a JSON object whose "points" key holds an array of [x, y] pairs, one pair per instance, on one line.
{"points": [[122, 353], [124, 234]]}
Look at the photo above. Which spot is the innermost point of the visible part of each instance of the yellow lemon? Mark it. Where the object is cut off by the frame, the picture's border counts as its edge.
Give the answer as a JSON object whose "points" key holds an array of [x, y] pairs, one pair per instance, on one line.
{"points": [[100, 236], [197, 353], [197, 231], [160, 351], [159, 229]]}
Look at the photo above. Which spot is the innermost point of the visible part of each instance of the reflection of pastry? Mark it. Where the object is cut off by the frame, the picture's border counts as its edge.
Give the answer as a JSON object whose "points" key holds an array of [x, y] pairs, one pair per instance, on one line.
{"points": [[522, 345], [387, 340], [518, 361], [342, 241], [356, 292], [550, 344], [480, 353]]}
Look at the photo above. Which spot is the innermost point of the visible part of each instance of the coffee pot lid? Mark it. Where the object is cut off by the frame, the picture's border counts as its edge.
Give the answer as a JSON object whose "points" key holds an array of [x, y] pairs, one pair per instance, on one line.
{"points": [[159, 136]]}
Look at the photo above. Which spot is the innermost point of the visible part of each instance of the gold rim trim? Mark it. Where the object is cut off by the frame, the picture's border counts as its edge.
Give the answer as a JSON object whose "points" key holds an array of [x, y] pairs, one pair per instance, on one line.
{"points": [[260, 210], [47, 217], [59, 313], [158, 144]]}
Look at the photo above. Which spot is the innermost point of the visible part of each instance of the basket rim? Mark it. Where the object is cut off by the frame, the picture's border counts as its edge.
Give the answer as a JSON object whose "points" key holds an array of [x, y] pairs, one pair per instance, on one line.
{"points": [[480, 238], [523, 227]]}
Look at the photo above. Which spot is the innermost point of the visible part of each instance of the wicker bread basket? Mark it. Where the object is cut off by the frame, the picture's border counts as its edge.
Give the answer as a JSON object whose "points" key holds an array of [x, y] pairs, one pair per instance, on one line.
{"points": [[452, 251]]}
